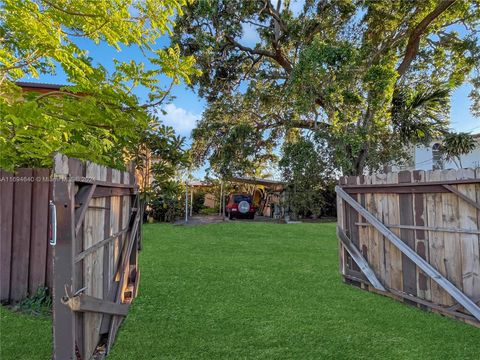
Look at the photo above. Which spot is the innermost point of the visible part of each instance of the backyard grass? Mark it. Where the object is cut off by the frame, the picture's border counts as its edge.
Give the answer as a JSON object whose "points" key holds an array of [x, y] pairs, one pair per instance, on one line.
{"points": [[24, 337], [255, 291], [267, 291]]}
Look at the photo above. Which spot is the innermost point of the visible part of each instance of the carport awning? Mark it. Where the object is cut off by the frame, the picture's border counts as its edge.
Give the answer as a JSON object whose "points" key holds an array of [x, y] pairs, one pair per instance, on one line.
{"points": [[257, 181]]}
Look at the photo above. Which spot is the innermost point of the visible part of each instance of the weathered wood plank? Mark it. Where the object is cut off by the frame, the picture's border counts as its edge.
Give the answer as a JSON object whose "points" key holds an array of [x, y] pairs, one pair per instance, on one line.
{"points": [[426, 267], [469, 243], [421, 238], [436, 239], [341, 223], [39, 233], [93, 264], [76, 169], [394, 259], [360, 260], [453, 253], [121, 275], [363, 241], [409, 270], [21, 235], [380, 204], [63, 318], [86, 303], [50, 249], [6, 222]]}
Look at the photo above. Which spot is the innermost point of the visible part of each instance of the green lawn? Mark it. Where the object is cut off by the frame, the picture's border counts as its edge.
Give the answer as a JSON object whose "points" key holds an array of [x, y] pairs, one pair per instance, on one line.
{"points": [[24, 337], [257, 291], [266, 291]]}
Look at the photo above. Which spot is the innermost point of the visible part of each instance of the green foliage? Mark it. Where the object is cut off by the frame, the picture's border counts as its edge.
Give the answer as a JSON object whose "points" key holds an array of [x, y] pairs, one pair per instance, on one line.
{"points": [[307, 169], [167, 202], [454, 145], [39, 303], [208, 211], [159, 158], [98, 117], [198, 201], [420, 115], [367, 77]]}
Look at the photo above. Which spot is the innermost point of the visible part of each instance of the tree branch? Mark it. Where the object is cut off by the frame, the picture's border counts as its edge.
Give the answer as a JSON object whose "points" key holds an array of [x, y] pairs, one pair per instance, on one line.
{"points": [[413, 44], [277, 55]]}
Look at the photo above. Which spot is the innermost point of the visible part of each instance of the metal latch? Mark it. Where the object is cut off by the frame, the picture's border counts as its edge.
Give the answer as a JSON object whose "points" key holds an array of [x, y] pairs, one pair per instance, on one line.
{"points": [[53, 224]]}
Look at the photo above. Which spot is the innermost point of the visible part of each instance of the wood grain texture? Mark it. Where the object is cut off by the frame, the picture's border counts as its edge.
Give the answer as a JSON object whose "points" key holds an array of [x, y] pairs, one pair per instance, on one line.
{"points": [[39, 230], [63, 273], [6, 222], [470, 267], [421, 237], [394, 255], [21, 235], [442, 227], [436, 239], [453, 253], [409, 270], [93, 232]]}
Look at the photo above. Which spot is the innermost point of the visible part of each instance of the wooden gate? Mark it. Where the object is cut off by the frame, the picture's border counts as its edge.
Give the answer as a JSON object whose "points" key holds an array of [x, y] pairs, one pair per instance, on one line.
{"points": [[96, 226], [414, 236]]}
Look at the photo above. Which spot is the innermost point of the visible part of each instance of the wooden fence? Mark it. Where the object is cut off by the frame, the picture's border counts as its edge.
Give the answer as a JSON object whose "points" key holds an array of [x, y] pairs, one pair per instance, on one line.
{"points": [[414, 236], [25, 257], [98, 222]]}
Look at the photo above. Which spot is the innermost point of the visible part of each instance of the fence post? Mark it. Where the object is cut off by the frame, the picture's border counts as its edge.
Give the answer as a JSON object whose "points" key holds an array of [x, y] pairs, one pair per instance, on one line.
{"points": [[63, 318]]}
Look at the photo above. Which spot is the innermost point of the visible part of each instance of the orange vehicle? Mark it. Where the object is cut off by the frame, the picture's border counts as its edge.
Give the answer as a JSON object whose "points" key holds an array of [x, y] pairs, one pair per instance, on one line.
{"points": [[240, 205]]}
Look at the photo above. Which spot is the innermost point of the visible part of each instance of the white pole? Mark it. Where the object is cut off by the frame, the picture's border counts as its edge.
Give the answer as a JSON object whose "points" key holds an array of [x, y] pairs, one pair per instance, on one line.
{"points": [[186, 201], [221, 196], [191, 201]]}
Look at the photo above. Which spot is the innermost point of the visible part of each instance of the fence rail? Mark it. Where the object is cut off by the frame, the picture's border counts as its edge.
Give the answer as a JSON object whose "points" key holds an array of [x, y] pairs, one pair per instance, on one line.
{"points": [[25, 257], [414, 236]]}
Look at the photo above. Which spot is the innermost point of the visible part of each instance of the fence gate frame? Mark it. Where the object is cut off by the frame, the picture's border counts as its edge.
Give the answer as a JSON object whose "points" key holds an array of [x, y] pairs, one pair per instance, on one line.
{"points": [[351, 210], [73, 193]]}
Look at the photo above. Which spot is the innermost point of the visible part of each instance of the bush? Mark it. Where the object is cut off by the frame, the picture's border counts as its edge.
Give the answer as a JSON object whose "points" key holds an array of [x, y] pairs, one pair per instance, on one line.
{"points": [[39, 303], [198, 201], [167, 202], [208, 211]]}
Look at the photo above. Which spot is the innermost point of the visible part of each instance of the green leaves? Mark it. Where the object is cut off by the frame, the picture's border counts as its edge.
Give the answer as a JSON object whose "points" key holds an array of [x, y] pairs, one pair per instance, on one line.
{"points": [[98, 117], [331, 68], [455, 145]]}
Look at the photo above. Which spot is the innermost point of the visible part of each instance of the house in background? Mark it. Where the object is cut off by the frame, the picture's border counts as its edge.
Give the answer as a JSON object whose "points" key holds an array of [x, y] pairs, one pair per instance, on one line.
{"points": [[430, 157], [41, 88]]}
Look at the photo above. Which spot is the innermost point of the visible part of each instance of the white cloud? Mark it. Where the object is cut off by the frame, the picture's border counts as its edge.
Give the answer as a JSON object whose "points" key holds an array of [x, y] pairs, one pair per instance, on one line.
{"points": [[183, 121]]}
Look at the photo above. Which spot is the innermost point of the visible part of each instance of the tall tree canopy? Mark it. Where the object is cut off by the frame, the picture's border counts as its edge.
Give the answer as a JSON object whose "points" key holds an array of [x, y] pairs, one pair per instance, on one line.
{"points": [[368, 77], [99, 117]]}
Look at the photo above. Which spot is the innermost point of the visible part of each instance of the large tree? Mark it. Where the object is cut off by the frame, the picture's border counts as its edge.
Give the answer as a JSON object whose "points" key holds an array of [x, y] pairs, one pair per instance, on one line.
{"points": [[98, 117], [368, 77]]}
